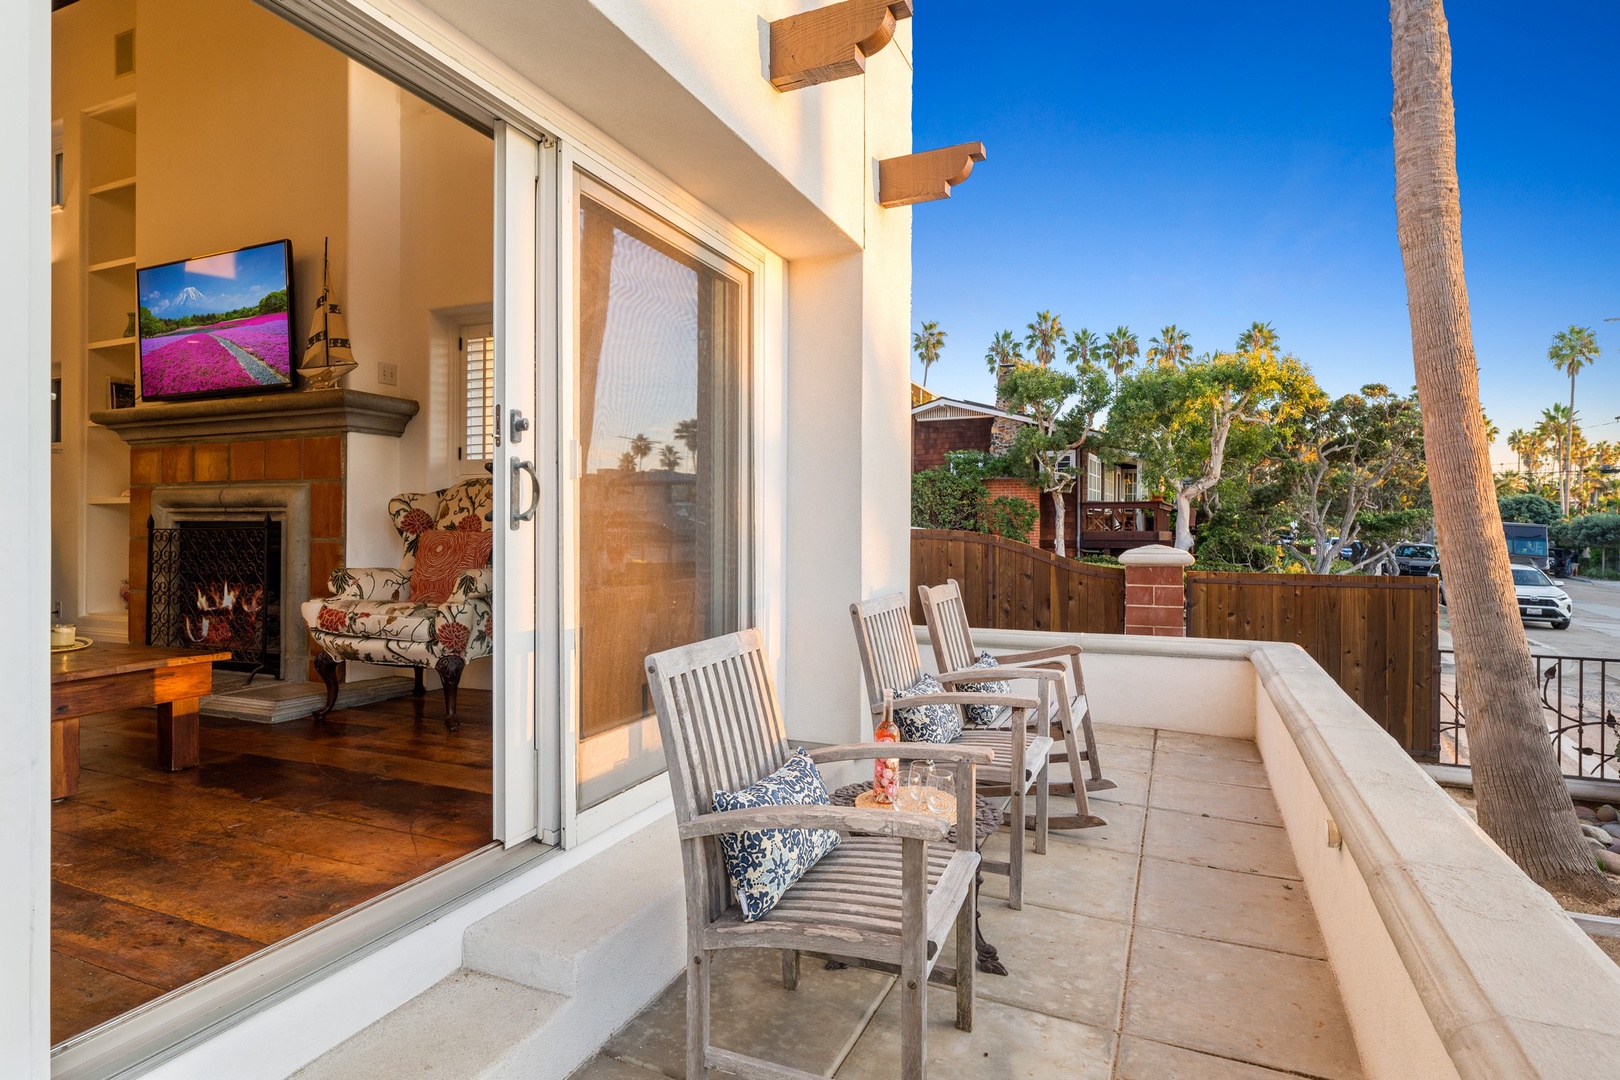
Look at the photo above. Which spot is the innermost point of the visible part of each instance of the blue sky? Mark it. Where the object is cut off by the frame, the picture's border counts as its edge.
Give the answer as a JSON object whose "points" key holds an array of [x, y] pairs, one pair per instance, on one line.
{"points": [[1210, 165], [215, 284]]}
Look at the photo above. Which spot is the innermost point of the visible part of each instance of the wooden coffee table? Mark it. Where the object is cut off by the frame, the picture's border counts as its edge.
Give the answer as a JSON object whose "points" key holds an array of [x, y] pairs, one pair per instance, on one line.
{"points": [[107, 677]]}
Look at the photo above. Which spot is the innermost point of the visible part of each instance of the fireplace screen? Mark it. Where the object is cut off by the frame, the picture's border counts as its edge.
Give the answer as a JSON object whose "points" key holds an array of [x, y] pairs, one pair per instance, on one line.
{"points": [[216, 585]]}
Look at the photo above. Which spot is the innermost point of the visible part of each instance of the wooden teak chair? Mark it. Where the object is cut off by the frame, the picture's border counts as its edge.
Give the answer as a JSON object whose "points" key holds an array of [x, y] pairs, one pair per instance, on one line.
{"points": [[889, 658], [952, 642], [886, 897]]}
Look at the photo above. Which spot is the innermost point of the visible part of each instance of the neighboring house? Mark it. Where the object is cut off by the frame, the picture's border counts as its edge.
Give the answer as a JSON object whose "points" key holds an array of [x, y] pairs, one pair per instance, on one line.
{"points": [[559, 230], [1105, 514]]}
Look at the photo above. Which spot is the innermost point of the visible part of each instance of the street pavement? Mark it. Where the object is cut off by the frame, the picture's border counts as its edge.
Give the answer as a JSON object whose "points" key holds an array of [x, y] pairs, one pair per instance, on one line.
{"points": [[1593, 631]]}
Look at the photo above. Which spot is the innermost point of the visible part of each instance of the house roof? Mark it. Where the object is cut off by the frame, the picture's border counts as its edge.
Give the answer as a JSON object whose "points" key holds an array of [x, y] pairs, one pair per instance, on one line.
{"points": [[944, 408]]}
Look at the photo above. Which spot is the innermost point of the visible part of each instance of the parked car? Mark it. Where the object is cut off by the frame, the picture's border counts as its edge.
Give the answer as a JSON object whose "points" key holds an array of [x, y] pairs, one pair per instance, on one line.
{"points": [[1417, 560], [1540, 597]]}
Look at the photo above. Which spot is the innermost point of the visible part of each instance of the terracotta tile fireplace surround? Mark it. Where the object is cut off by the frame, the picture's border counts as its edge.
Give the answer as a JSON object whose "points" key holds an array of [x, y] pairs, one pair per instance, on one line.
{"points": [[282, 455]]}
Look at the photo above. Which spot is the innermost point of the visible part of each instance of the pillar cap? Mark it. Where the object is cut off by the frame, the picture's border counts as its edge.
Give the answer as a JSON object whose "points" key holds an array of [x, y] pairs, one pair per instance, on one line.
{"points": [[1156, 555]]}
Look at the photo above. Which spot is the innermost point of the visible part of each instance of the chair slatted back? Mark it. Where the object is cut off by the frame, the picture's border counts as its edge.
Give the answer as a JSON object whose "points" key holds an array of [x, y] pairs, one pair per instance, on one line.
{"points": [[887, 644], [948, 625], [722, 728]]}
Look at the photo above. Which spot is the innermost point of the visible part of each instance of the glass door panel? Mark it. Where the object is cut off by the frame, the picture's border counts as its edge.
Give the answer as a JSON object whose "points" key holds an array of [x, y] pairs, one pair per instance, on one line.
{"points": [[662, 422]]}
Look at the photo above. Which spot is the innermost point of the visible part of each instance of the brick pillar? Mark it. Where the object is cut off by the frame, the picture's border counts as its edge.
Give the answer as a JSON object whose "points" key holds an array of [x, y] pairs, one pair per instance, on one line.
{"points": [[999, 486], [1156, 590]]}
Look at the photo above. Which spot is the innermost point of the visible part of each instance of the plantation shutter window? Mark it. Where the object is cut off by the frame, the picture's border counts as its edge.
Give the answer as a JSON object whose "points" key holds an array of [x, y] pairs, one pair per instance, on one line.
{"points": [[1094, 492], [478, 384]]}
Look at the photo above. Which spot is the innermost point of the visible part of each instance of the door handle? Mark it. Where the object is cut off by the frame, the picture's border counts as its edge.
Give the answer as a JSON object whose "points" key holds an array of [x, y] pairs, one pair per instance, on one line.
{"points": [[520, 516]]}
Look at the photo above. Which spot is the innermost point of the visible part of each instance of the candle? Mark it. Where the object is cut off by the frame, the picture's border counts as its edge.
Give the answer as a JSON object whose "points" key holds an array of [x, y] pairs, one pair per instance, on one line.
{"points": [[62, 634]]}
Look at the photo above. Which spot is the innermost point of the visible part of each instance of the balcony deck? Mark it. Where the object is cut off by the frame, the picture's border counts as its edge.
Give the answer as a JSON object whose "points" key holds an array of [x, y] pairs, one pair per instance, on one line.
{"points": [[1176, 941], [1114, 527]]}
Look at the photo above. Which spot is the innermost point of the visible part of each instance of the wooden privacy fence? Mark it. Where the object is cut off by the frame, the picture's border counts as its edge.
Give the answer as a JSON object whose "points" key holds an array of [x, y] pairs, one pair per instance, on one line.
{"points": [[1379, 637], [1007, 585]]}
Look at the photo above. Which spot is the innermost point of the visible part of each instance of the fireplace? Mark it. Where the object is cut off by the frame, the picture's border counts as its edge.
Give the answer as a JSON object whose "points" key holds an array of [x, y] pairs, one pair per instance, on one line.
{"points": [[217, 585]]}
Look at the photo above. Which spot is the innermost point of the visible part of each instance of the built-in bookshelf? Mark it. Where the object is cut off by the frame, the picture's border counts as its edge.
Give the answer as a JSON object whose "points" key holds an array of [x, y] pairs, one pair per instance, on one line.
{"points": [[110, 376]]}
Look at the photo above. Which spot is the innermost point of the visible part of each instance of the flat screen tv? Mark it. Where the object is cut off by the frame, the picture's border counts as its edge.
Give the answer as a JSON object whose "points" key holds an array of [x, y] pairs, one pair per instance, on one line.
{"points": [[218, 324]]}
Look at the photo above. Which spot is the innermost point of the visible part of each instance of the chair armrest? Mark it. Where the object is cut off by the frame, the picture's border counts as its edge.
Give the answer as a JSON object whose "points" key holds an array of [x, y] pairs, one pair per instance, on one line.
{"points": [[845, 819], [1051, 653], [997, 674], [471, 584], [1012, 701], [977, 755], [369, 582]]}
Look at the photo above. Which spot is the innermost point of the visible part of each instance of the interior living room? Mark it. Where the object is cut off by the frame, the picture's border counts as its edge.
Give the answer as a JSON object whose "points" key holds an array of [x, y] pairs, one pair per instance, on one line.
{"points": [[272, 355]]}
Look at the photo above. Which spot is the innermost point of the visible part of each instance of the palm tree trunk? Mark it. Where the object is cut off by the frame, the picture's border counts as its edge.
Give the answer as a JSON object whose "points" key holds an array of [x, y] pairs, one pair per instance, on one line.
{"points": [[1569, 444], [1522, 802]]}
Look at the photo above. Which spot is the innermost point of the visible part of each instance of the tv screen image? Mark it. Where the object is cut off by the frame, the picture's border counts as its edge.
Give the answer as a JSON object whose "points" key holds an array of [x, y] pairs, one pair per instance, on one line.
{"points": [[218, 324]]}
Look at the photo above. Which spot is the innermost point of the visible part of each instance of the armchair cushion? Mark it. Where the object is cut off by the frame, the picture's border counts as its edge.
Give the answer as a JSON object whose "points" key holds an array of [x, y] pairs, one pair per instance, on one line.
{"points": [[985, 715], [763, 864], [934, 723], [395, 620], [442, 556]]}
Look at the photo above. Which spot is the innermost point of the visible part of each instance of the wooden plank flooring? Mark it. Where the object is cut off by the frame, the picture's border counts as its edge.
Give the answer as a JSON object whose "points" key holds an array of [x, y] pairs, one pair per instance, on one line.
{"points": [[158, 878]]}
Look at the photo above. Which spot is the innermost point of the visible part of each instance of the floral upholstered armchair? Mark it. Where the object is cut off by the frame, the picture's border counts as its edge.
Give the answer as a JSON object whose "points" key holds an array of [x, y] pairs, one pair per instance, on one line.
{"points": [[433, 611]]}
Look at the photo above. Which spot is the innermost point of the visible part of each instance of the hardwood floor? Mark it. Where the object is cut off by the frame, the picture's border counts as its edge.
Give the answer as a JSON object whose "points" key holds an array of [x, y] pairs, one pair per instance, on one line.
{"points": [[158, 878]]}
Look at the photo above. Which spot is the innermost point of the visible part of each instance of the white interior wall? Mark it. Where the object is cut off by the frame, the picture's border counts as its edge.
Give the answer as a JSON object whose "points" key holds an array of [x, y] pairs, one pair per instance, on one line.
{"points": [[25, 295]]}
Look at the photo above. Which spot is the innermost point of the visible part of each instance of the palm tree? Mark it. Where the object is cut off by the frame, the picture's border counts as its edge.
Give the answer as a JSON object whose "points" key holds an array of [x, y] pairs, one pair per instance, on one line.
{"points": [[1085, 348], [1045, 335], [669, 458], [686, 431], [1004, 354], [927, 345], [640, 447], [1170, 348], [1259, 338], [1557, 428], [1491, 430], [1571, 350], [1522, 802], [1518, 441], [1120, 351]]}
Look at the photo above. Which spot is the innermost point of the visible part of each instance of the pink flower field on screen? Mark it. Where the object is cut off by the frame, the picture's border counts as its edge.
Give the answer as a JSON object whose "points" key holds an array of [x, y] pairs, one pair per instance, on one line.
{"points": [[264, 336], [188, 365]]}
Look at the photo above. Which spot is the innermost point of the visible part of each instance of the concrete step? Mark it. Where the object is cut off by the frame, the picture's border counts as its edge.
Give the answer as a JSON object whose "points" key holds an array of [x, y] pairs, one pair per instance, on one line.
{"points": [[544, 981], [469, 1026]]}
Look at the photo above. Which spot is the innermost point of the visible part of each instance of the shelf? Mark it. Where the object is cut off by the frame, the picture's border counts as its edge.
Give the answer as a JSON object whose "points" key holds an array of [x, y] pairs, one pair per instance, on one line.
{"points": [[112, 186], [112, 264], [109, 500], [113, 343]]}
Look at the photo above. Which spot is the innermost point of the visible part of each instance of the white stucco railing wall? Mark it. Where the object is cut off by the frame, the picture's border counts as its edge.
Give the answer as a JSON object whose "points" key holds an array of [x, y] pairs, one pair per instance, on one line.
{"points": [[1450, 961]]}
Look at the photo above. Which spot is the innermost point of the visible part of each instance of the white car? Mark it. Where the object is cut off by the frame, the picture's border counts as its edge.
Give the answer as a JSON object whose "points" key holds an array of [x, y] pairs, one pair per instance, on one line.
{"points": [[1540, 597]]}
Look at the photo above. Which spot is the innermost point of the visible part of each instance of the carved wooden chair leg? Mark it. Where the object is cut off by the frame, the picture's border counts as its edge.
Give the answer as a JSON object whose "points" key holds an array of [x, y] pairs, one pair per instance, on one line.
{"points": [[449, 669], [418, 689], [327, 669]]}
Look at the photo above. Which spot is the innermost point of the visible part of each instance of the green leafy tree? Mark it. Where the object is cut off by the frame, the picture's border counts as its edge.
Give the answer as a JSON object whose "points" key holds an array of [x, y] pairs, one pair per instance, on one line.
{"points": [[1347, 457], [1530, 508], [928, 344], [273, 302], [1571, 350], [1260, 338], [1187, 424], [1064, 409]]}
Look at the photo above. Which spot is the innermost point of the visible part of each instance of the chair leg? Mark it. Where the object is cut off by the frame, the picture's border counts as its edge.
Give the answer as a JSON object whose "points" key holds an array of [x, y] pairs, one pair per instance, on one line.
{"points": [[1096, 782], [1043, 808], [1015, 848], [697, 1015], [1084, 819], [914, 960], [966, 950], [417, 689], [449, 669], [790, 969], [327, 669]]}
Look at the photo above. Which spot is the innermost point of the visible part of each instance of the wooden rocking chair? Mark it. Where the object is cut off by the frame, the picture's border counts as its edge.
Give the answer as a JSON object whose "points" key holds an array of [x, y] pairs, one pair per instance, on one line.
{"points": [[884, 898], [952, 642], [889, 658]]}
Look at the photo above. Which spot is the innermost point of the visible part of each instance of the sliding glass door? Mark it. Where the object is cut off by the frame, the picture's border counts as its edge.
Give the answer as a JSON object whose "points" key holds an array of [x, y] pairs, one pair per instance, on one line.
{"points": [[661, 463]]}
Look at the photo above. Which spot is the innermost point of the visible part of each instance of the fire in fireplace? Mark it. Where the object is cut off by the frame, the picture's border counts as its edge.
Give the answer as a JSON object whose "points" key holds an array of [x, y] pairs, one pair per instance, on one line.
{"points": [[217, 585]]}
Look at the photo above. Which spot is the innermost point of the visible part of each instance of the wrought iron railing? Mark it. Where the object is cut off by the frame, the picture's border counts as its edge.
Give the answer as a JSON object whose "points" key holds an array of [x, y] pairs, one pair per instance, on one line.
{"points": [[1579, 697]]}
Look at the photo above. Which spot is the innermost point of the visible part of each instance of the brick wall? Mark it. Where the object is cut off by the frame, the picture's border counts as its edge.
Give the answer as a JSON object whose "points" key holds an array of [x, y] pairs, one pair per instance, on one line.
{"points": [[318, 460], [1155, 599], [1018, 489], [930, 439]]}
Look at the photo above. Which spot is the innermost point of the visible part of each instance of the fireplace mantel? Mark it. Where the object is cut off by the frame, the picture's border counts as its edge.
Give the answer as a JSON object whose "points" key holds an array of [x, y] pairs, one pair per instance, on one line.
{"points": [[285, 415]]}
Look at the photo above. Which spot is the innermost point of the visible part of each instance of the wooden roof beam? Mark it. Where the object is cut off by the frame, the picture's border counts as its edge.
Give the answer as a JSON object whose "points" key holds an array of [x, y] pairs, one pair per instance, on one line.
{"points": [[926, 176], [832, 42]]}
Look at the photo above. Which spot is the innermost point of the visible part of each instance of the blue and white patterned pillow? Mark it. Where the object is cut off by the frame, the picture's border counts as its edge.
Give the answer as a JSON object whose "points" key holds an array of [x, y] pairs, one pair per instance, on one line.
{"points": [[927, 723], [764, 863], [985, 714]]}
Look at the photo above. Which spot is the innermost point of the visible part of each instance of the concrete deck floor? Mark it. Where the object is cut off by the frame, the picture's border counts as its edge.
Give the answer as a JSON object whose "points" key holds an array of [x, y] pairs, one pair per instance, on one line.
{"points": [[1176, 942]]}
